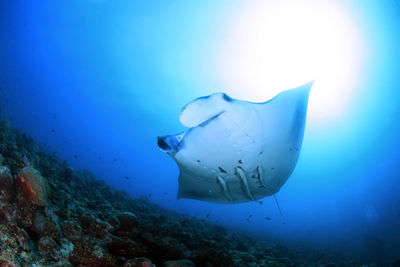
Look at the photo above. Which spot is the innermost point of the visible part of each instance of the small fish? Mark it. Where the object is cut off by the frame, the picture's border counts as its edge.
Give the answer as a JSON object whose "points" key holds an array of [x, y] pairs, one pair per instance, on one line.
{"points": [[52, 131], [260, 202], [268, 218], [75, 156], [208, 215], [222, 170], [126, 177]]}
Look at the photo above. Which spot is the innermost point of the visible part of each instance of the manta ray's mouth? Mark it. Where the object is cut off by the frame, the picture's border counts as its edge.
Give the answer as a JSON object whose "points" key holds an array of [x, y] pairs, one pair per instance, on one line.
{"points": [[163, 144], [168, 143]]}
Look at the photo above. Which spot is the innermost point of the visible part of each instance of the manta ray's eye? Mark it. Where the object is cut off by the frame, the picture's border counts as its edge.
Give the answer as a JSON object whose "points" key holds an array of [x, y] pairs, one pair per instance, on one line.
{"points": [[227, 98]]}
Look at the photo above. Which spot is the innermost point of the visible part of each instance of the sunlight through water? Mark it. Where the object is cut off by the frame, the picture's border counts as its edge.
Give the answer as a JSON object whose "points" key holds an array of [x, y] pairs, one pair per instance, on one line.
{"points": [[275, 45]]}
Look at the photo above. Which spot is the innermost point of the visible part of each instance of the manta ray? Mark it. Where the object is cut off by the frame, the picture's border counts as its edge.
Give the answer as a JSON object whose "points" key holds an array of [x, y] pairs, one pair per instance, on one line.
{"points": [[237, 151]]}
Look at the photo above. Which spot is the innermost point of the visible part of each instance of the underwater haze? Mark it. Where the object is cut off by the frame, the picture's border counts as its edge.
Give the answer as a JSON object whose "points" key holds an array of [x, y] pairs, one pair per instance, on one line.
{"points": [[97, 81]]}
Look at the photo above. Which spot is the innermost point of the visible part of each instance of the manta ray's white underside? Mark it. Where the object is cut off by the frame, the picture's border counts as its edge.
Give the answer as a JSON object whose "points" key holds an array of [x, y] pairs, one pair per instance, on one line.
{"points": [[238, 151]]}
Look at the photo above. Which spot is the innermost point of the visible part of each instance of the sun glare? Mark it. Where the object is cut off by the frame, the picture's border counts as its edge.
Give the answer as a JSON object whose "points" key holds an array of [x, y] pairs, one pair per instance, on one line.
{"points": [[275, 45]]}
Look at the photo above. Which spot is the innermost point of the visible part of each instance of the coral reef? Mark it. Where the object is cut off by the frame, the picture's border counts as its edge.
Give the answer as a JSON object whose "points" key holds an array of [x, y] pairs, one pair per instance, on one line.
{"points": [[51, 215]]}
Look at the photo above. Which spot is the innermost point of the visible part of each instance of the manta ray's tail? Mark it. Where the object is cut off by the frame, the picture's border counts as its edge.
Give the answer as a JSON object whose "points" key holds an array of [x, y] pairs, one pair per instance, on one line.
{"points": [[277, 204]]}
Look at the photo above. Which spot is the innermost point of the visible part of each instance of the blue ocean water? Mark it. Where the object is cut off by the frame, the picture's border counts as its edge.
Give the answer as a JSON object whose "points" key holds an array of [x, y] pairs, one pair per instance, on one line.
{"points": [[98, 81]]}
